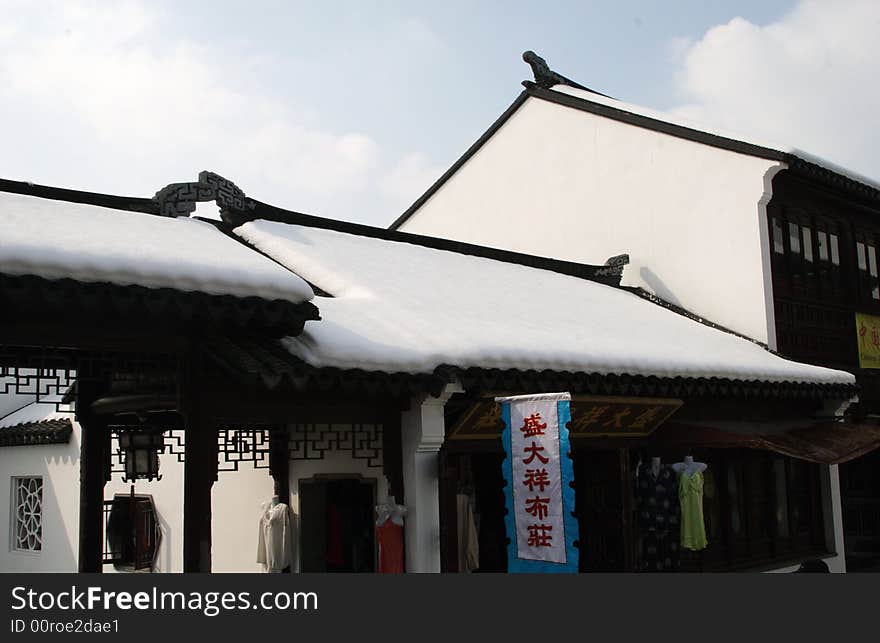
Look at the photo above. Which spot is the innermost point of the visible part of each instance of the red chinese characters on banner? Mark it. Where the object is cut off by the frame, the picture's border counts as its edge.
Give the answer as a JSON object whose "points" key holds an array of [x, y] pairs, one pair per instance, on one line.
{"points": [[535, 452], [539, 533], [532, 426], [537, 478]]}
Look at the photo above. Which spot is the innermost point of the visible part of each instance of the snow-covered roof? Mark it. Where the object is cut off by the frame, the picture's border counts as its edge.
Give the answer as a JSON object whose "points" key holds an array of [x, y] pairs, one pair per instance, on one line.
{"points": [[666, 117], [58, 239], [399, 307]]}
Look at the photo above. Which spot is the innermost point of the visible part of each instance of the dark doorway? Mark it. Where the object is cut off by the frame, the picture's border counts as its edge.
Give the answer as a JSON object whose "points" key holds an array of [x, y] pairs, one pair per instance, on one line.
{"points": [[337, 525], [600, 506]]}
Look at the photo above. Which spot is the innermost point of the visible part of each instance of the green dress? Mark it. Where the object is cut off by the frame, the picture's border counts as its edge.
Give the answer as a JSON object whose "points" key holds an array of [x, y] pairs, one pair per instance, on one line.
{"points": [[690, 495]]}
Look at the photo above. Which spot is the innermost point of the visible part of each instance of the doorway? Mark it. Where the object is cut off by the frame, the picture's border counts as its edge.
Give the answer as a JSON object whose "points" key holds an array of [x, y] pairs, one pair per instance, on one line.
{"points": [[603, 506], [337, 524]]}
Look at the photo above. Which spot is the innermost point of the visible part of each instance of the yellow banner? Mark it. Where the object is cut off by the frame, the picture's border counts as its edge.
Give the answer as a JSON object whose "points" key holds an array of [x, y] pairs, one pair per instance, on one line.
{"points": [[868, 335]]}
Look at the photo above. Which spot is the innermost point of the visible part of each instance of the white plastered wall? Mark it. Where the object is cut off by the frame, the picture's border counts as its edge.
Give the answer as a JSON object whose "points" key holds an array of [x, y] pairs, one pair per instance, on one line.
{"points": [[236, 498], [235, 517], [567, 184], [58, 465]]}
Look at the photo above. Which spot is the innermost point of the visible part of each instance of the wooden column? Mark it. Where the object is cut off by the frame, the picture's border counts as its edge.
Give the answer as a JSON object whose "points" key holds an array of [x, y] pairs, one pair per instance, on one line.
{"points": [[392, 455], [279, 467], [627, 510], [94, 471], [199, 474], [279, 462], [450, 475]]}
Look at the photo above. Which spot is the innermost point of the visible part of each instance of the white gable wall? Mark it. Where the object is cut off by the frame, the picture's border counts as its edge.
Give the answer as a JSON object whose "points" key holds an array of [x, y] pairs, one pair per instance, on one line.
{"points": [[568, 184], [58, 465]]}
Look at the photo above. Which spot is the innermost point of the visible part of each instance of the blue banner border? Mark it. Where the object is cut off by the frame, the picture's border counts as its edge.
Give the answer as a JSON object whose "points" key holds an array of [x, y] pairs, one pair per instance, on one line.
{"points": [[517, 565]]}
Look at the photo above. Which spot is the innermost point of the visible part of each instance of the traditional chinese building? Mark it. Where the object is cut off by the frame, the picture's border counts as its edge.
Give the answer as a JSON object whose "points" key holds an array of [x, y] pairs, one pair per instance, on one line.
{"points": [[765, 240], [338, 363]]}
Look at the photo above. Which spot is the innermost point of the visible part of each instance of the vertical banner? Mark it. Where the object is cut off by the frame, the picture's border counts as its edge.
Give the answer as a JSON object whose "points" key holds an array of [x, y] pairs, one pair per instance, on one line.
{"points": [[538, 495]]}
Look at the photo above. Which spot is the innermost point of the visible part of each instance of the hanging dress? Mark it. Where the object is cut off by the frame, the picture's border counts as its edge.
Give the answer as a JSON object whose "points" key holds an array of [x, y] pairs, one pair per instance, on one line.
{"points": [[690, 494], [390, 539], [658, 520]]}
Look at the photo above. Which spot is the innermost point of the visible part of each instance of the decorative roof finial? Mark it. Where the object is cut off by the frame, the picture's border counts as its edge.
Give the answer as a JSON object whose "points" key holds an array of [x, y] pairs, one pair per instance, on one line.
{"points": [[546, 77], [179, 199]]}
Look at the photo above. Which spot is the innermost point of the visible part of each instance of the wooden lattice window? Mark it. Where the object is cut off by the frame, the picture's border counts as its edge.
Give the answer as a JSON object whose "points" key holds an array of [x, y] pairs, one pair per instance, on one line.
{"points": [[27, 518]]}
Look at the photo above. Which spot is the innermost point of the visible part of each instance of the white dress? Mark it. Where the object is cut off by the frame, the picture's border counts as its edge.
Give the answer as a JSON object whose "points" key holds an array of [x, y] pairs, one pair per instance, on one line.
{"points": [[275, 542]]}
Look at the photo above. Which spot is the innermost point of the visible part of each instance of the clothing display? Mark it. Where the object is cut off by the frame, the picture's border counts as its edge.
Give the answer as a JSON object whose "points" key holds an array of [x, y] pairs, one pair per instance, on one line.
{"points": [[690, 493], [468, 542], [389, 536], [658, 519], [275, 541]]}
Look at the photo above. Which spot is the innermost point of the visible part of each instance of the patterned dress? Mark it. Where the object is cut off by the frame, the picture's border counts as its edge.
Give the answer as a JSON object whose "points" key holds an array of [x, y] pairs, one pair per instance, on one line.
{"points": [[658, 519]]}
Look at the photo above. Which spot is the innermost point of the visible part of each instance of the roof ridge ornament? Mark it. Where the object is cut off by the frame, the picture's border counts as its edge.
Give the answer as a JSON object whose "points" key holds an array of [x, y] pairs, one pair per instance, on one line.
{"points": [[546, 77], [613, 267], [179, 199]]}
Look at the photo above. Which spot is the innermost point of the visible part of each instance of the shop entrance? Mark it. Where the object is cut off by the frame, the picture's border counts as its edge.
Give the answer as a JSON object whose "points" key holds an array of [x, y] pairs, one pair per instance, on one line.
{"points": [[603, 508], [337, 526]]}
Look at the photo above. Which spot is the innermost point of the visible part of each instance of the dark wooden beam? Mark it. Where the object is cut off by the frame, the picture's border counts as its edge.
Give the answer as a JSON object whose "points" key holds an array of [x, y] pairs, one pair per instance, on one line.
{"points": [[94, 471], [279, 466], [200, 474], [626, 509], [279, 462], [68, 334], [242, 405], [392, 452]]}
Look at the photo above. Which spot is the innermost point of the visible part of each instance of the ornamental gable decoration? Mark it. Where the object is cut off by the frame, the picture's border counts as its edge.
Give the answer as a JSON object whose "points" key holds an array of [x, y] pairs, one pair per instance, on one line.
{"points": [[538, 495]]}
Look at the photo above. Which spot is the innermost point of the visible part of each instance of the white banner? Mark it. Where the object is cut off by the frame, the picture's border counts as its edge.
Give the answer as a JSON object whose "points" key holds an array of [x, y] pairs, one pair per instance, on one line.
{"points": [[537, 477]]}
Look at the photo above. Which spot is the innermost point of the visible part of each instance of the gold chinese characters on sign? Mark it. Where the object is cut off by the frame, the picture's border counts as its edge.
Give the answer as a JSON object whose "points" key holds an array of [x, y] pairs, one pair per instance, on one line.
{"points": [[591, 416]]}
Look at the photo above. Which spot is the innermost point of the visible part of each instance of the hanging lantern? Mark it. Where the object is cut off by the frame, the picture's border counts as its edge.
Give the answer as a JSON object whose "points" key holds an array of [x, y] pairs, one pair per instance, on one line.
{"points": [[141, 447]]}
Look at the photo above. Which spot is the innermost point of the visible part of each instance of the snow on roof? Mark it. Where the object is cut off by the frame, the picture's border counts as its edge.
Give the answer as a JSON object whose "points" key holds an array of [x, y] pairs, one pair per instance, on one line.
{"points": [[399, 307], [702, 127], [59, 239]]}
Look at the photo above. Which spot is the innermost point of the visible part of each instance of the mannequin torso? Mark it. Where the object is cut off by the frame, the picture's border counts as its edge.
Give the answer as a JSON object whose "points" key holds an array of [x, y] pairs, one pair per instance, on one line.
{"points": [[689, 467]]}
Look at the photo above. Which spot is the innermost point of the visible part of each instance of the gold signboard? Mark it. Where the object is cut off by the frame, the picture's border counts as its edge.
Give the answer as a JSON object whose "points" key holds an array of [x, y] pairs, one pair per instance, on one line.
{"points": [[591, 416], [868, 338]]}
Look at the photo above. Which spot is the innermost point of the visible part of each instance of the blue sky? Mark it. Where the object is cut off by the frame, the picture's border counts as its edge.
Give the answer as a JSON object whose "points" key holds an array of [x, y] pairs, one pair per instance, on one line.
{"points": [[351, 109]]}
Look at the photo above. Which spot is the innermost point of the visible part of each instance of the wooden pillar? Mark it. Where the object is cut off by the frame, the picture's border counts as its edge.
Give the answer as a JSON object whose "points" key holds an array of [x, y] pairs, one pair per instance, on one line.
{"points": [[627, 510], [199, 475], [450, 476], [279, 462], [392, 455], [279, 467], [94, 471]]}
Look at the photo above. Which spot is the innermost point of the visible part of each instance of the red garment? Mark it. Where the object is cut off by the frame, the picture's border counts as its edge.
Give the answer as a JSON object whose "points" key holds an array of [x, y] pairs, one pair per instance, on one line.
{"points": [[390, 539], [334, 554]]}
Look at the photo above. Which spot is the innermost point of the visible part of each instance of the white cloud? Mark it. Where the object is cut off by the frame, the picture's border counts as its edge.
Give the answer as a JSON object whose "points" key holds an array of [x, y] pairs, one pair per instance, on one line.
{"points": [[410, 177], [102, 97], [808, 80]]}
